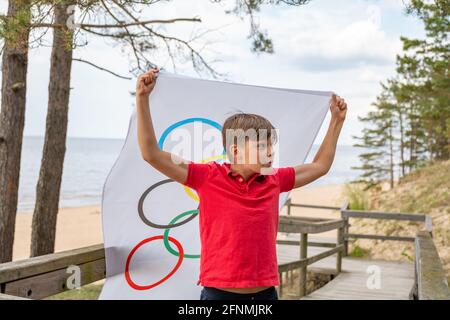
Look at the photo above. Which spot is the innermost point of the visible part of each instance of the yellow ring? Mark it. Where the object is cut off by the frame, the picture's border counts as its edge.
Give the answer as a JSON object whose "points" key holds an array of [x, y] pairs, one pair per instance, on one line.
{"points": [[188, 190]]}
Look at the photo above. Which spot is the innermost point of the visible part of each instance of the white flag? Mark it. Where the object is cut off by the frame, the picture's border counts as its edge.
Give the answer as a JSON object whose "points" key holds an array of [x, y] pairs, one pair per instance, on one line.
{"points": [[147, 217]]}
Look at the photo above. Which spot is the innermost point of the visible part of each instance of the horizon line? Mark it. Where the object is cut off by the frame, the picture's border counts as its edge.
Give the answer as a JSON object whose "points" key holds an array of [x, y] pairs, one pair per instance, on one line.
{"points": [[123, 139]]}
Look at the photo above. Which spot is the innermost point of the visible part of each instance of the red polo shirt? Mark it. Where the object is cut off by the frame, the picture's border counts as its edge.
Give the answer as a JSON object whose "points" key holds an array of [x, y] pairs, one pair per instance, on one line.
{"points": [[238, 224]]}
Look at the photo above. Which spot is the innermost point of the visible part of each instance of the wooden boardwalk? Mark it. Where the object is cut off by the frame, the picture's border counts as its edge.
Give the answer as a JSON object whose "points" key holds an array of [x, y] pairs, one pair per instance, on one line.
{"points": [[425, 279], [396, 278]]}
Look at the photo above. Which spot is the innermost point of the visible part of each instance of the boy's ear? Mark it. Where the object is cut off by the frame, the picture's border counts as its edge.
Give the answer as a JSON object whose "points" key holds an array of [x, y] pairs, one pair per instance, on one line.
{"points": [[232, 152]]}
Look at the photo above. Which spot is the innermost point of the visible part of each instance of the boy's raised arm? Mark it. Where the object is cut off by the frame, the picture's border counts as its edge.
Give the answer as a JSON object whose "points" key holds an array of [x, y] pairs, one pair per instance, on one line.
{"points": [[167, 163], [307, 173]]}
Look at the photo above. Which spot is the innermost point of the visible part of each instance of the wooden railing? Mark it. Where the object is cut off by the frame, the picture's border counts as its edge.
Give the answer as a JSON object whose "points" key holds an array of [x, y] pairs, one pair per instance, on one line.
{"points": [[431, 281], [44, 276], [304, 226], [47, 275], [346, 214]]}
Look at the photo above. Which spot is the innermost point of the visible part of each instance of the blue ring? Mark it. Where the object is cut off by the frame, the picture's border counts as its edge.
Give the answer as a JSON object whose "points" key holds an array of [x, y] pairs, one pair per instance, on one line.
{"points": [[183, 122]]}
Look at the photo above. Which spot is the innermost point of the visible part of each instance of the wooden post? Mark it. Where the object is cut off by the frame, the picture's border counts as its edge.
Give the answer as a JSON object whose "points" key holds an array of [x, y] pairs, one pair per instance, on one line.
{"points": [[429, 224], [340, 240], [346, 226], [302, 270], [280, 286], [344, 236]]}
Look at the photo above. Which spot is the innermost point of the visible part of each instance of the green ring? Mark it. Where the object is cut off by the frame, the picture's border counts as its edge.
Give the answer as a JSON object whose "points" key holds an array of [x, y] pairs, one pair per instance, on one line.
{"points": [[166, 235]]}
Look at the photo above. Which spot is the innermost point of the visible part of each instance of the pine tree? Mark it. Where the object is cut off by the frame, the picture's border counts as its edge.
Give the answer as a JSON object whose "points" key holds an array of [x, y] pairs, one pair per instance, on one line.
{"points": [[15, 33], [411, 121], [425, 67], [378, 137]]}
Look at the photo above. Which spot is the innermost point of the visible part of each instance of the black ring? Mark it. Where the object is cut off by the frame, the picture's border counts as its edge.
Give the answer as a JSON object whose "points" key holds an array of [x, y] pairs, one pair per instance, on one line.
{"points": [[154, 225]]}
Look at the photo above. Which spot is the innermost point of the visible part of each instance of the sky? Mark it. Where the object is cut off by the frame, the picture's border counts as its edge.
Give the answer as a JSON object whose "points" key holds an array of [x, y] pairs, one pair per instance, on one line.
{"points": [[348, 47]]}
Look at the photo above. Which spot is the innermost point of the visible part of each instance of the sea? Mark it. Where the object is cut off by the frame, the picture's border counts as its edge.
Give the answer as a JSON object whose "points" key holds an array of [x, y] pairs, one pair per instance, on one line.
{"points": [[88, 162]]}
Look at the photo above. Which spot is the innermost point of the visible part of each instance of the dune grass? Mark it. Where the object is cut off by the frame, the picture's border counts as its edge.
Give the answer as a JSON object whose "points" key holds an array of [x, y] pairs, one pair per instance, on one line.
{"points": [[423, 191], [87, 292]]}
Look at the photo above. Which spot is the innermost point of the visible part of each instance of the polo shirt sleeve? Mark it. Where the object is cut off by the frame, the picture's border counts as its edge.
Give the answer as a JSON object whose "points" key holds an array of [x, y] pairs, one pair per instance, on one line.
{"points": [[286, 178], [197, 174]]}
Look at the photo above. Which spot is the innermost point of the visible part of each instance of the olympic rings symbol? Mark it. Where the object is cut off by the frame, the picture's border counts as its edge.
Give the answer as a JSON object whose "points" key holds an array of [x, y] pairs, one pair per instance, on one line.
{"points": [[127, 266], [191, 214], [148, 222]]}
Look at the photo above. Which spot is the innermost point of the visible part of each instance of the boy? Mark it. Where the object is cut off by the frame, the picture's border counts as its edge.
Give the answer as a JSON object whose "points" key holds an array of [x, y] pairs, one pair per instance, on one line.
{"points": [[238, 204]]}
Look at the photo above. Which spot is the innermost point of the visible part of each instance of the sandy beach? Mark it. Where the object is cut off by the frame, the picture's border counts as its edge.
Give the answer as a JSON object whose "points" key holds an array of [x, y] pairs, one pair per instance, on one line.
{"points": [[82, 226], [76, 227]]}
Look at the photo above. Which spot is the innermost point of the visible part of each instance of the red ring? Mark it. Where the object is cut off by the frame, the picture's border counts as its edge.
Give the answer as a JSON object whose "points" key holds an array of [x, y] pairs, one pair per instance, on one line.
{"points": [[127, 272]]}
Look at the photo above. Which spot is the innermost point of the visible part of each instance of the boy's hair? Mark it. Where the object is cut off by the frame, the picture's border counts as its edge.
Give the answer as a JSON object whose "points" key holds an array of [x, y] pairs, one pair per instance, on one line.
{"points": [[246, 121]]}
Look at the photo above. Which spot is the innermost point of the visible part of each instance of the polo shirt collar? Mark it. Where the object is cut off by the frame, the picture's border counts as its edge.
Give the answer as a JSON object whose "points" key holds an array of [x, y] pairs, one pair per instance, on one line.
{"points": [[227, 166]]}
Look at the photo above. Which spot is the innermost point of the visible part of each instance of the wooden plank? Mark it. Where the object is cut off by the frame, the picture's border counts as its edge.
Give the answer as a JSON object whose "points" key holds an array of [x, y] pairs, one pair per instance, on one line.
{"points": [[383, 215], [313, 206], [51, 283], [299, 225], [378, 237], [310, 243], [292, 265], [8, 297], [431, 279], [289, 253], [325, 254], [397, 276], [397, 279], [303, 219], [303, 262], [15, 270]]}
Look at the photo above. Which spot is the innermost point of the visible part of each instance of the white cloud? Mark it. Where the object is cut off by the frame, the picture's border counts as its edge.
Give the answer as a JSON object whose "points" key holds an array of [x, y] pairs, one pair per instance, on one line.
{"points": [[344, 46], [323, 41]]}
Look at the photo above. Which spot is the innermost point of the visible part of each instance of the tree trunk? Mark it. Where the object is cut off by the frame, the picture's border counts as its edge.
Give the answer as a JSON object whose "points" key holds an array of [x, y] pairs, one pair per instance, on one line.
{"points": [[402, 142], [412, 138], [391, 158], [50, 175], [442, 139], [12, 119]]}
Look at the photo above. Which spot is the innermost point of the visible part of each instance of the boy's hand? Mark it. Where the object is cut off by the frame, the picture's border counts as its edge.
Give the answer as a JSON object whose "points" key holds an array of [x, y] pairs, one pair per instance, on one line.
{"points": [[338, 108], [146, 82]]}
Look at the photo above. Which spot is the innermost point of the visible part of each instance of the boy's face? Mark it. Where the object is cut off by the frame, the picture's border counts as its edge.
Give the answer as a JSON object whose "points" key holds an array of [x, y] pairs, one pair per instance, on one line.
{"points": [[255, 155]]}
